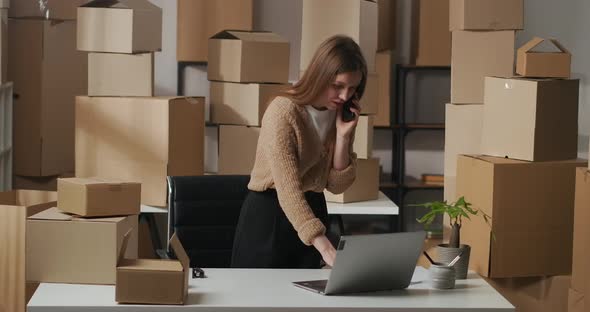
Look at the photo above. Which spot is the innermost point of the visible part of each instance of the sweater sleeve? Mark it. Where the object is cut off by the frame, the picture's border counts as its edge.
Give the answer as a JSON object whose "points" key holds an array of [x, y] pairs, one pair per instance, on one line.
{"points": [[340, 180], [281, 150]]}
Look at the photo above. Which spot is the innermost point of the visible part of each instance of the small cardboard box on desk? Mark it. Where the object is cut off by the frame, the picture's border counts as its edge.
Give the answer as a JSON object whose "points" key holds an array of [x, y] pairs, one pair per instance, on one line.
{"points": [[94, 197], [62, 248], [153, 281]]}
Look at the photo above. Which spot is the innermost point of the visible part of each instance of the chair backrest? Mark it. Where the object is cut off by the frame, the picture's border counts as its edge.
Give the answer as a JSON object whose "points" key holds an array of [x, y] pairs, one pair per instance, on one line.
{"points": [[204, 212]]}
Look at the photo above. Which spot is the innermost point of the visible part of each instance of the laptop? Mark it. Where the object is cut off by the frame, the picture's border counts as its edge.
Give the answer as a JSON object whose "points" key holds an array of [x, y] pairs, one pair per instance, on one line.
{"points": [[372, 262]]}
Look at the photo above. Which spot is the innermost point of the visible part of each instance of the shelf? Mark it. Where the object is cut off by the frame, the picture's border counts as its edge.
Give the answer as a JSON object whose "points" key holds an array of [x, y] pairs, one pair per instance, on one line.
{"points": [[414, 126], [410, 183]]}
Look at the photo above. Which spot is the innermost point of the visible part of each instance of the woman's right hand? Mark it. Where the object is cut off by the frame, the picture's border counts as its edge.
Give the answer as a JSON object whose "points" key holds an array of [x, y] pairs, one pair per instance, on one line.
{"points": [[323, 245]]}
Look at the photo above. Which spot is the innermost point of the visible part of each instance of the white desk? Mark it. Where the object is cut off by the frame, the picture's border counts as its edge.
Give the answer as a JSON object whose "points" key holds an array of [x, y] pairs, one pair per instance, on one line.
{"points": [[271, 291], [381, 206]]}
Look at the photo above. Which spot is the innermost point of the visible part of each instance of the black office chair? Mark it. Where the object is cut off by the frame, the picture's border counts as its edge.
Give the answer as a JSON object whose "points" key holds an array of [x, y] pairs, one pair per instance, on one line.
{"points": [[204, 212]]}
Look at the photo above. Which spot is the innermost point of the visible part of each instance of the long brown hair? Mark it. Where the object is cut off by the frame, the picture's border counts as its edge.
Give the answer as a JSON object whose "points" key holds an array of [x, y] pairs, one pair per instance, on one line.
{"points": [[338, 54]]}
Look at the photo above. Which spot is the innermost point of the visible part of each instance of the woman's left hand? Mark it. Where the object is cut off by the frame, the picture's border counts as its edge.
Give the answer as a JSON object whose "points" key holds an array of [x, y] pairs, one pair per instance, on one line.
{"points": [[345, 129]]}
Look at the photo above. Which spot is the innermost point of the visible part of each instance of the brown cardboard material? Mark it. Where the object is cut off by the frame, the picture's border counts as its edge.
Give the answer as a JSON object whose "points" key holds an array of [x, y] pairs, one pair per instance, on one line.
{"points": [[357, 19], [530, 119], [142, 280], [580, 272], [530, 63], [243, 56], [4, 4], [38, 183], [477, 54], [241, 103], [133, 26], [54, 9], [365, 186], [486, 15], [62, 248], [370, 101], [15, 206], [384, 93], [363, 137], [237, 149], [521, 198], [114, 74], [198, 20], [534, 294], [386, 27], [431, 42], [463, 125], [113, 140], [47, 72], [93, 197]]}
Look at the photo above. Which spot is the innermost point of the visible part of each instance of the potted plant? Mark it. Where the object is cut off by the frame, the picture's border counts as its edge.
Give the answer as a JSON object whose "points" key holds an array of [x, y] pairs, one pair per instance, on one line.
{"points": [[456, 211]]}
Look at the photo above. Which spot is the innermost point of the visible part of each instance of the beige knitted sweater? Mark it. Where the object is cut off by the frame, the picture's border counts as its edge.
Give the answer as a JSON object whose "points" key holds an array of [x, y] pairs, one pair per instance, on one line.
{"points": [[291, 159]]}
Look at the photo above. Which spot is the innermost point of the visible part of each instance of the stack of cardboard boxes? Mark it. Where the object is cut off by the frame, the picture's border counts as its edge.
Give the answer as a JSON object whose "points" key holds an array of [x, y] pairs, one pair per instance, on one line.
{"points": [[15, 207], [386, 44], [47, 73], [580, 286], [246, 69], [482, 45], [122, 132], [359, 20], [524, 177]]}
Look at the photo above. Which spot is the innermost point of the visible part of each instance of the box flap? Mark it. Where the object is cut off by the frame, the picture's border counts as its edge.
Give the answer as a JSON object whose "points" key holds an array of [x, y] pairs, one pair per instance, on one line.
{"points": [[56, 215], [179, 251], [527, 47], [259, 36], [95, 181], [121, 4], [51, 214], [124, 243], [150, 265]]}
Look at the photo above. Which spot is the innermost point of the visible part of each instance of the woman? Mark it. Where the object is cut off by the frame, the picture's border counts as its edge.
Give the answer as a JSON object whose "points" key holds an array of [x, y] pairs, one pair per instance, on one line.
{"points": [[304, 147]]}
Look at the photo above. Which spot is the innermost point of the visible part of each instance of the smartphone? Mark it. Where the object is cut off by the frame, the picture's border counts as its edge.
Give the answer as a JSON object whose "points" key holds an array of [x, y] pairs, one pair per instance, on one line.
{"points": [[347, 114]]}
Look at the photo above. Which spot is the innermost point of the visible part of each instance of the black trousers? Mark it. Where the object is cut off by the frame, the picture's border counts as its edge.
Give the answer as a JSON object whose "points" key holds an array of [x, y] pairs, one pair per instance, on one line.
{"points": [[266, 239]]}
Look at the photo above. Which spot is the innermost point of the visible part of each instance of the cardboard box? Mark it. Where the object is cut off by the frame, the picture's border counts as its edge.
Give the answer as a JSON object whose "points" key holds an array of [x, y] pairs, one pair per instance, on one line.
{"points": [[463, 125], [357, 19], [534, 294], [133, 26], [384, 93], [237, 149], [198, 20], [486, 15], [431, 40], [580, 287], [49, 9], [242, 56], [363, 137], [522, 199], [241, 103], [370, 100], [62, 248], [386, 26], [38, 183], [15, 206], [4, 4], [142, 280], [140, 139], [530, 119], [365, 186], [114, 74], [92, 197], [477, 54], [531, 63], [47, 72]]}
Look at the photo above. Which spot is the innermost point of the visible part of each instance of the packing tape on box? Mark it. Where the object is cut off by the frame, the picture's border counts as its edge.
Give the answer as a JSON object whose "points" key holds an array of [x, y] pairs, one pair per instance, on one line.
{"points": [[43, 8]]}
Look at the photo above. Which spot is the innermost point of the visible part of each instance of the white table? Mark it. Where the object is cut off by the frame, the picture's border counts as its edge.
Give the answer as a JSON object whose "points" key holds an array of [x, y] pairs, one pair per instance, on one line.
{"points": [[381, 206], [271, 291]]}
